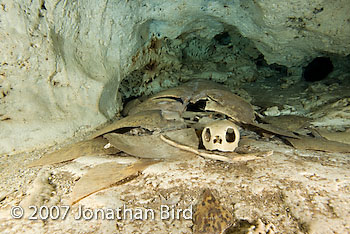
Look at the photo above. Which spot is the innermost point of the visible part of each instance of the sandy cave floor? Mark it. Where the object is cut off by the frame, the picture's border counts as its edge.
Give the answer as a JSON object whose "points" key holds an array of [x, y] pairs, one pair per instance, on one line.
{"points": [[292, 191]]}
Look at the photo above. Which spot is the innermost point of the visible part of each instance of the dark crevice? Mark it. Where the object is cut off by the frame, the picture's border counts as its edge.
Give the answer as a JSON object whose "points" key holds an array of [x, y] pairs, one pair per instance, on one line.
{"points": [[260, 61], [43, 7], [125, 100], [128, 130], [197, 106], [318, 69], [279, 68], [223, 38]]}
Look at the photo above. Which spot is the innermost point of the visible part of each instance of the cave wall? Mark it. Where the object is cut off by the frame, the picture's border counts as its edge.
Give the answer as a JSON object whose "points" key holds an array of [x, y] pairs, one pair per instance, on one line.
{"points": [[62, 62]]}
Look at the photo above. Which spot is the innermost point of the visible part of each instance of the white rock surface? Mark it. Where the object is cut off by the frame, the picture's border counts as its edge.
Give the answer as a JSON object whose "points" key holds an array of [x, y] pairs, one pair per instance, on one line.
{"points": [[62, 62]]}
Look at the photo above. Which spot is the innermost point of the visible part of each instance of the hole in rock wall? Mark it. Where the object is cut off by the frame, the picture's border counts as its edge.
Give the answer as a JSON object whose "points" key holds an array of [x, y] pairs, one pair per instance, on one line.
{"points": [[318, 69]]}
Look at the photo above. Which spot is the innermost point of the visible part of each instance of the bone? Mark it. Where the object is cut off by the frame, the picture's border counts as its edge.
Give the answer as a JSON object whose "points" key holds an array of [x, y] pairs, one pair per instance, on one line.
{"points": [[237, 158], [216, 135], [84, 148], [150, 146]]}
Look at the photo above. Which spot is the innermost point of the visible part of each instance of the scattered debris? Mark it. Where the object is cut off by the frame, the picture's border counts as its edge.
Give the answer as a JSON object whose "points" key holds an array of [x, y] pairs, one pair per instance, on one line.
{"points": [[334, 115], [261, 228], [151, 146], [150, 120], [343, 137], [288, 122], [272, 111], [275, 130], [106, 175], [166, 126], [233, 106], [83, 148], [318, 143], [237, 157]]}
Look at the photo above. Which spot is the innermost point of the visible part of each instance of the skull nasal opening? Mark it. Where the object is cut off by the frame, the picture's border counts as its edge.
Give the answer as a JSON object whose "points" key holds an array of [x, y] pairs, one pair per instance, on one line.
{"points": [[230, 135], [217, 140]]}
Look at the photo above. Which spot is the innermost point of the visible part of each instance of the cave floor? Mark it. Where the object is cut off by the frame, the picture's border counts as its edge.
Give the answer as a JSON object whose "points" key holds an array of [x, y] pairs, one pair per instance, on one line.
{"points": [[291, 191], [302, 98]]}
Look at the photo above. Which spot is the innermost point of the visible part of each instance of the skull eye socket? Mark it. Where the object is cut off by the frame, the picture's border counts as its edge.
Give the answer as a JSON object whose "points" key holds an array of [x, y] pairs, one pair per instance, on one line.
{"points": [[230, 135], [207, 135]]}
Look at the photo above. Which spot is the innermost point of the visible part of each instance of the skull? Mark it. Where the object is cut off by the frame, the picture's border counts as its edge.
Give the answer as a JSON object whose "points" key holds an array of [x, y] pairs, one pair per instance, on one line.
{"points": [[220, 135]]}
